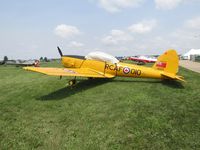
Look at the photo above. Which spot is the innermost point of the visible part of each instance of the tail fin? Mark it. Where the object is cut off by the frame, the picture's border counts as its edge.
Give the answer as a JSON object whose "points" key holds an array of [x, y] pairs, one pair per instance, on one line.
{"points": [[168, 62]]}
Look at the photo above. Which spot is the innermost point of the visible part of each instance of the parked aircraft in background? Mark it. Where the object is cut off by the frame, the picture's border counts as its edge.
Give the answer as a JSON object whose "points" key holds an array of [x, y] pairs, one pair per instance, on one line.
{"points": [[143, 59], [102, 65], [23, 62]]}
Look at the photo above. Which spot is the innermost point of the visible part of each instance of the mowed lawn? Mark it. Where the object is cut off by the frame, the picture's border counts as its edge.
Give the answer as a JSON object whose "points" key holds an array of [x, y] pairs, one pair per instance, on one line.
{"points": [[40, 112]]}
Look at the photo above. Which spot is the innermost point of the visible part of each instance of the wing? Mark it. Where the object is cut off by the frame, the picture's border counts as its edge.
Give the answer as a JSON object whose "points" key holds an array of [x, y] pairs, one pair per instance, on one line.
{"points": [[78, 72]]}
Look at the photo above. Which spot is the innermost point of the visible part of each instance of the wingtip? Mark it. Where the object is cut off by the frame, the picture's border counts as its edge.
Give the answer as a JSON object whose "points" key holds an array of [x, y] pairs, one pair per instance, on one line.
{"points": [[180, 78], [25, 68]]}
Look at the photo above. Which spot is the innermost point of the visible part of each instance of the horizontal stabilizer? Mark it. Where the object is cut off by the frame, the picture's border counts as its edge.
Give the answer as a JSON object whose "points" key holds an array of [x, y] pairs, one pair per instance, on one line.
{"points": [[172, 76]]}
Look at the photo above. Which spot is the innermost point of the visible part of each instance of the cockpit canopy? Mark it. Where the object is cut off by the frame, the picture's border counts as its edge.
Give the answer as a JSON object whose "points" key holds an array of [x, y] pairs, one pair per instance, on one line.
{"points": [[101, 56]]}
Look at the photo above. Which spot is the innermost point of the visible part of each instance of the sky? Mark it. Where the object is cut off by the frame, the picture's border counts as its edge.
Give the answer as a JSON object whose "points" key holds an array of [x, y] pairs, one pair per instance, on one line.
{"points": [[31, 29]]}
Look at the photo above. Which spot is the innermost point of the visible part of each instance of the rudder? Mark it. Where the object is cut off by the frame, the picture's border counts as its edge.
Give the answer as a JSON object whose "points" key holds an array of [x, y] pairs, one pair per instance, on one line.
{"points": [[168, 62]]}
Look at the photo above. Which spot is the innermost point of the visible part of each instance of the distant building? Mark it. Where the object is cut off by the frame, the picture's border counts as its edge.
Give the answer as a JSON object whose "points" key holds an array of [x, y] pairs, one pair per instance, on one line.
{"points": [[191, 54]]}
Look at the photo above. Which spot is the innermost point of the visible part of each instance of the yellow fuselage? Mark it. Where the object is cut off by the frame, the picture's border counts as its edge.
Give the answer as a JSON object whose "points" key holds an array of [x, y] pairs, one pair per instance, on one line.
{"points": [[118, 69], [166, 67]]}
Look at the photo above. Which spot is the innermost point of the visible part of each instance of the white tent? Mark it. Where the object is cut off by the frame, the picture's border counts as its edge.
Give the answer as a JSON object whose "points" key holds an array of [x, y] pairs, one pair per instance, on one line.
{"points": [[190, 53]]}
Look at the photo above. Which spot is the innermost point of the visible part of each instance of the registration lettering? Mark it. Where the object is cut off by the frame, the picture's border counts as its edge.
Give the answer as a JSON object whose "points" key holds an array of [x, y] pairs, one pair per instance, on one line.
{"points": [[125, 70]]}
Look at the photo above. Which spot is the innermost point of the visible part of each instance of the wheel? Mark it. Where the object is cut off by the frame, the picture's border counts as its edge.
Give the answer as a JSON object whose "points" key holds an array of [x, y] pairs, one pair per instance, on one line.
{"points": [[72, 82]]}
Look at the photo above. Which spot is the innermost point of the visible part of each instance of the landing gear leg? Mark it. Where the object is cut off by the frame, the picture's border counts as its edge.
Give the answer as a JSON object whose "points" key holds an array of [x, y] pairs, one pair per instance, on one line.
{"points": [[72, 82]]}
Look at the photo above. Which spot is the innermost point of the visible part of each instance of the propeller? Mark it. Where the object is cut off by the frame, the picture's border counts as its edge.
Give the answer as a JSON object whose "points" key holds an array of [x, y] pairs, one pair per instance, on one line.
{"points": [[60, 52]]}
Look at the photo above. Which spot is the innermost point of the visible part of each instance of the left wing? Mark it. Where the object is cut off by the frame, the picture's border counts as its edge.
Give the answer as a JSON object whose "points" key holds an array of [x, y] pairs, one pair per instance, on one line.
{"points": [[78, 72]]}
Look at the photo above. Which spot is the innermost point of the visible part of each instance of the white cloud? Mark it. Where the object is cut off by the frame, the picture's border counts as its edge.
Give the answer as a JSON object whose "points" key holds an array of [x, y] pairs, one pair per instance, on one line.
{"points": [[167, 4], [66, 31], [187, 36], [116, 37], [193, 23], [116, 5], [143, 27], [183, 38], [75, 44]]}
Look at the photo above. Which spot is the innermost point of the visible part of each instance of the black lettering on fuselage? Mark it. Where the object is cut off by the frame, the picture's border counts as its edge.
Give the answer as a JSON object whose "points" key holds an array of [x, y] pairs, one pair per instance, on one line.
{"points": [[113, 67], [136, 72], [107, 66]]}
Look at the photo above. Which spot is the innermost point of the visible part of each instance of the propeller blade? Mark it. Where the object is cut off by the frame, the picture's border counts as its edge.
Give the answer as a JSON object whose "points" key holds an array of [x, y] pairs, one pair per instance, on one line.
{"points": [[60, 52]]}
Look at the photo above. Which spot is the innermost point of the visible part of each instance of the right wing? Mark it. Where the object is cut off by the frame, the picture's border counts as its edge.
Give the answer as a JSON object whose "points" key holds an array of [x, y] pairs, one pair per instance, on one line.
{"points": [[75, 72]]}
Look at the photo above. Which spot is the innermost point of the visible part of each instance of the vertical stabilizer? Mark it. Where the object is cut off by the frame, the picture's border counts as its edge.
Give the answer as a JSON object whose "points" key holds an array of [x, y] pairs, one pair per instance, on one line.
{"points": [[168, 62]]}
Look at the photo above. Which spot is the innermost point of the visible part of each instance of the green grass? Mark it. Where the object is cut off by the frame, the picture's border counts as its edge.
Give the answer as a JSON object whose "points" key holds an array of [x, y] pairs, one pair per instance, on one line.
{"points": [[40, 112]]}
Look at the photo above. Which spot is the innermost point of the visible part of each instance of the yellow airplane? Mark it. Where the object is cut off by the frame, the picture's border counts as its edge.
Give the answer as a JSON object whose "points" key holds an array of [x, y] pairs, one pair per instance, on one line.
{"points": [[166, 67]]}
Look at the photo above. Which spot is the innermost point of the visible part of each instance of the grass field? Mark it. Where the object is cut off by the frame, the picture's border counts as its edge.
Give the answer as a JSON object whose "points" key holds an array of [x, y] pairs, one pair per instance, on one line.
{"points": [[40, 112]]}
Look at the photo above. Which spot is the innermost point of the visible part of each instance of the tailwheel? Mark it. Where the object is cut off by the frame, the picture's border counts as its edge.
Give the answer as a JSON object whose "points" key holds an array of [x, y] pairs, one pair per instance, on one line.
{"points": [[72, 82]]}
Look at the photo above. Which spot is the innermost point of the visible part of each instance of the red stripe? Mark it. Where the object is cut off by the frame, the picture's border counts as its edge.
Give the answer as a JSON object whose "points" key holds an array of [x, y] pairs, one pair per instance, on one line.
{"points": [[161, 64]]}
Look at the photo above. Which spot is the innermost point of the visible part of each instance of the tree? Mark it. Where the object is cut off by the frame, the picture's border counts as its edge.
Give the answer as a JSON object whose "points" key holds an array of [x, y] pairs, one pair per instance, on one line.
{"points": [[41, 59], [45, 59], [5, 59]]}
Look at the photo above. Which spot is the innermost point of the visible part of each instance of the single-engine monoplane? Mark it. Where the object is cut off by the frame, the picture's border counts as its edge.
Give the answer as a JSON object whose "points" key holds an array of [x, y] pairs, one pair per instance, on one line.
{"points": [[23, 63], [102, 65]]}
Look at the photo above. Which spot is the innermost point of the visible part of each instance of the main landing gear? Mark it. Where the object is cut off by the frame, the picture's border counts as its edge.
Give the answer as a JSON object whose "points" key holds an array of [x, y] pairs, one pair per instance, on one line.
{"points": [[72, 82]]}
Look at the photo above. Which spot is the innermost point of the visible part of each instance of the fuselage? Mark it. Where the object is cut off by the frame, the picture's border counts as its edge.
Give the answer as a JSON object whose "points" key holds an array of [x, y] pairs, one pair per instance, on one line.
{"points": [[118, 69], [102, 65]]}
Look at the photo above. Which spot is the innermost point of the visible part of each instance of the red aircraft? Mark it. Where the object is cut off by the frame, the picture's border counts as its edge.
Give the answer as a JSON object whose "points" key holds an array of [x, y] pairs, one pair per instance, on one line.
{"points": [[143, 59]]}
